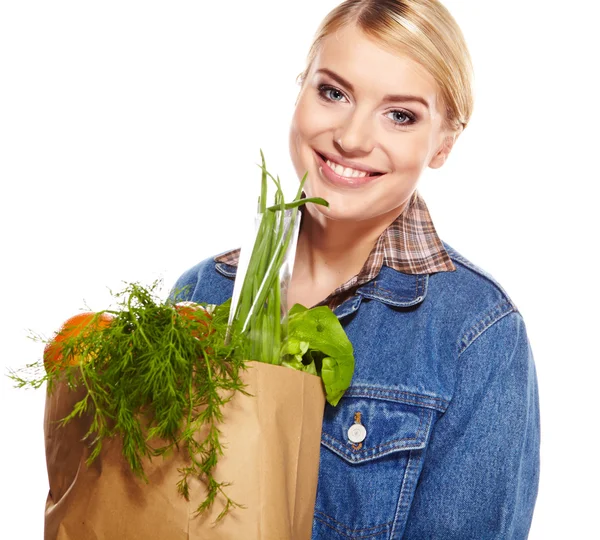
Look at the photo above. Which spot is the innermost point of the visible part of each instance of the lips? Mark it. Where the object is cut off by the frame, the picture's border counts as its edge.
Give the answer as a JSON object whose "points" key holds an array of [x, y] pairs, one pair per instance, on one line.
{"points": [[331, 177], [338, 160]]}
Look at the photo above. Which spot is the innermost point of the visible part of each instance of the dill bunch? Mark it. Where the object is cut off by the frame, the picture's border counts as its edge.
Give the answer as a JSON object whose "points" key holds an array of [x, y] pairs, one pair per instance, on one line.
{"points": [[155, 373]]}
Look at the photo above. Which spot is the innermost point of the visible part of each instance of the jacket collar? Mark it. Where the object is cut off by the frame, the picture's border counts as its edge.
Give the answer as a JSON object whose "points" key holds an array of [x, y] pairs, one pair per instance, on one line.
{"points": [[396, 288]]}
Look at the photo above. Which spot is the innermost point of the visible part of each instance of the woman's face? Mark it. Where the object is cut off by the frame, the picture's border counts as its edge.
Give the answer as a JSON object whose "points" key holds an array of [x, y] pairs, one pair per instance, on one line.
{"points": [[351, 110]]}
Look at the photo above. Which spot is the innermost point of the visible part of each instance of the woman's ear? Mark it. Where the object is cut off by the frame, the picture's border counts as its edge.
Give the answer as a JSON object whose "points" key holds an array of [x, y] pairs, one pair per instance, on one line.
{"points": [[440, 157]]}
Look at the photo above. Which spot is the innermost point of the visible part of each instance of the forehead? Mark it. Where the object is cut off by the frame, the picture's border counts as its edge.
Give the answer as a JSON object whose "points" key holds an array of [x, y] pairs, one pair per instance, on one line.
{"points": [[371, 69]]}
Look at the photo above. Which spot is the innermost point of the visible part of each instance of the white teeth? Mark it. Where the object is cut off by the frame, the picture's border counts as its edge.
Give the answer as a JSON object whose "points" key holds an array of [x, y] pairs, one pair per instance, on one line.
{"points": [[345, 171]]}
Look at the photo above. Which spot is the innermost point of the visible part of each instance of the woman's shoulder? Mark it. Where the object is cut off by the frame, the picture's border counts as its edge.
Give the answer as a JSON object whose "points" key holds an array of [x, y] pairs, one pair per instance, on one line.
{"points": [[471, 296], [471, 279]]}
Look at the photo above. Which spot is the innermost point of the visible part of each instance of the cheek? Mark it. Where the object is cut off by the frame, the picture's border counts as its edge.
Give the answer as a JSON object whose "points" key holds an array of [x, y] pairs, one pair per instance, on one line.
{"points": [[310, 118], [295, 141], [412, 152], [308, 123], [299, 136]]}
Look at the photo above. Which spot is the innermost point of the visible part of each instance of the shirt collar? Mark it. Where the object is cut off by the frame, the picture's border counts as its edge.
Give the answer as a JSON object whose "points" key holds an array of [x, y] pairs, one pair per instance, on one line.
{"points": [[411, 244]]}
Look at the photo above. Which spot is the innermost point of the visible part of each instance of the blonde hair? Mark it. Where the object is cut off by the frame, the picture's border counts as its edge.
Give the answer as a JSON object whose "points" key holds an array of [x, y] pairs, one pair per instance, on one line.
{"points": [[425, 31]]}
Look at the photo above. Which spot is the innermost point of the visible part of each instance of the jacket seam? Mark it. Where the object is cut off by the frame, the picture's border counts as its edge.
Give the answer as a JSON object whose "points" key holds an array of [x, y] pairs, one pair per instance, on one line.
{"points": [[465, 263], [494, 315], [343, 530], [397, 396], [407, 493]]}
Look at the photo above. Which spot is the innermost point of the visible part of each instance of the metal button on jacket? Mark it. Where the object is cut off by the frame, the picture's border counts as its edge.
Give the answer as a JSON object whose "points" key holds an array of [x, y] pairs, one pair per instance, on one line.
{"points": [[357, 433]]}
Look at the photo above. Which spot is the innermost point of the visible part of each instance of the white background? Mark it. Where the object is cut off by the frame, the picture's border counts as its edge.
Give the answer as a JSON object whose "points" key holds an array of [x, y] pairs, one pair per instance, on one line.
{"points": [[129, 133]]}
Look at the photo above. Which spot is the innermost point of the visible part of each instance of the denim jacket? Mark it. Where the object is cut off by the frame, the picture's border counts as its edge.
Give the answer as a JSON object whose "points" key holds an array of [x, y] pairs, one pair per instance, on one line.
{"points": [[446, 388]]}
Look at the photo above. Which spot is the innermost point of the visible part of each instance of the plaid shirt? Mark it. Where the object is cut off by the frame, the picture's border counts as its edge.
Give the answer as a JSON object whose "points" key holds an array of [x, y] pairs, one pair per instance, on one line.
{"points": [[410, 245]]}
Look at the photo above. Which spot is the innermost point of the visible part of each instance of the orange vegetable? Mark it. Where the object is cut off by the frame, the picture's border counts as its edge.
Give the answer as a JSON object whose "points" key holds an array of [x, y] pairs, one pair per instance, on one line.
{"points": [[196, 313], [76, 325]]}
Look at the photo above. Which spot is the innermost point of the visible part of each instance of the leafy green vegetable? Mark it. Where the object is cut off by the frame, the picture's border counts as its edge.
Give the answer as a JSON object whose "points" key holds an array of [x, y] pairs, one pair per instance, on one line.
{"points": [[317, 343]]}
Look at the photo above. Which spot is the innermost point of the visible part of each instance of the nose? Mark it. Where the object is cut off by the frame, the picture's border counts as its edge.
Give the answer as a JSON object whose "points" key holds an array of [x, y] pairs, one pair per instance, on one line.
{"points": [[355, 136]]}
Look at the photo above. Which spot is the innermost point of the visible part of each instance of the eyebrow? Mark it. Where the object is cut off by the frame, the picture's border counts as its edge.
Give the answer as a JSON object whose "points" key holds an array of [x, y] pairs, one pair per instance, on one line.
{"points": [[388, 97]]}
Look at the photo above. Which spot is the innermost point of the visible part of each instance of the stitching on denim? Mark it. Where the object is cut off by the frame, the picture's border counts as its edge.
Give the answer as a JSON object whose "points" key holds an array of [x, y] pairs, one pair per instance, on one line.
{"points": [[406, 491], [420, 281], [329, 525], [345, 531], [364, 529], [480, 326], [417, 284], [398, 396], [366, 454], [382, 445], [403, 301], [354, 304], [479, 271], [496, 313], [386, 448], [414, 461], [405, 400], [392, 391], [220, 268], [386, 293]]}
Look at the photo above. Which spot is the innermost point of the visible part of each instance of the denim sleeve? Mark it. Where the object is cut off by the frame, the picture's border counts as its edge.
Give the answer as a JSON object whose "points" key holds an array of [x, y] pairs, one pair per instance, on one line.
{"points": [[481, 471], [182, 290], [185, 286]]}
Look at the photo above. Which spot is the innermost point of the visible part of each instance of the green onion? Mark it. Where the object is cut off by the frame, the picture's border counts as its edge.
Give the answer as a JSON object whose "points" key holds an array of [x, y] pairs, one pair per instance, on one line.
{"points": [[258, 314]]}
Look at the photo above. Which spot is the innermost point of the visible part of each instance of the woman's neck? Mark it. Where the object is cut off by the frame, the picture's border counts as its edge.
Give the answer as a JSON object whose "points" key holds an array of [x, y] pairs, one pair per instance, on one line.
{"points": [[330, 252]]}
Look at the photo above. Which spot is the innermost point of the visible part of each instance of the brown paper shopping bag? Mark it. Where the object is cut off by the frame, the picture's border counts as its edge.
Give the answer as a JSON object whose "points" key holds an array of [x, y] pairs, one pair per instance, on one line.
{"points": [[271, 456]]}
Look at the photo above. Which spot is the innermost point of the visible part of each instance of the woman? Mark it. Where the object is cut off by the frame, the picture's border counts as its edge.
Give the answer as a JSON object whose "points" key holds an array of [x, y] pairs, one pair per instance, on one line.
{"points": [[445, 386]]}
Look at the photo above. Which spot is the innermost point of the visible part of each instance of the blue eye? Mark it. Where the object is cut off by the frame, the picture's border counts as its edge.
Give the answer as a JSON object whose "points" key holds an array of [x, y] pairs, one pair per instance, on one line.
{"points": [[325, 91], [408, 117]]}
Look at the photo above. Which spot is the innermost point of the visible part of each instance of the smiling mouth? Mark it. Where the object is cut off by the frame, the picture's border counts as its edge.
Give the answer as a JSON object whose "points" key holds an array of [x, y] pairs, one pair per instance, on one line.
{"points": [[333, 166]]}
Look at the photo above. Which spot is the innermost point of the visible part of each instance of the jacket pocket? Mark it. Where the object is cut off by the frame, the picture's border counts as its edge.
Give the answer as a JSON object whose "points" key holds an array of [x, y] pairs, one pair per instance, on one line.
{"points": [[367, 477]]}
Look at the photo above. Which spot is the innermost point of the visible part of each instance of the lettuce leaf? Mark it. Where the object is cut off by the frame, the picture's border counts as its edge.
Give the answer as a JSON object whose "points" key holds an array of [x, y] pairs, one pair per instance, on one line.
{"points": [[317, 343]]}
